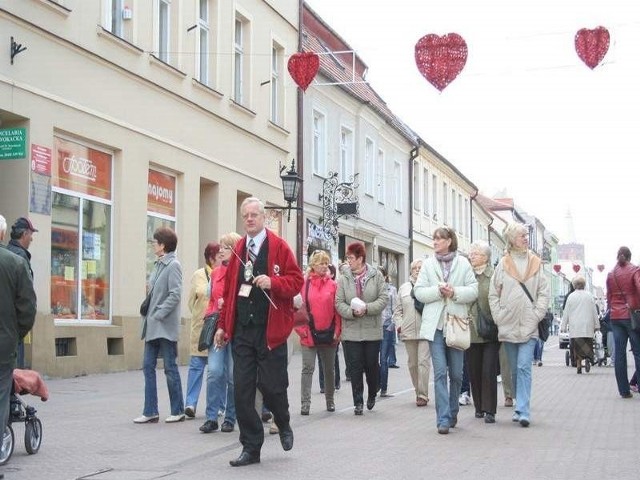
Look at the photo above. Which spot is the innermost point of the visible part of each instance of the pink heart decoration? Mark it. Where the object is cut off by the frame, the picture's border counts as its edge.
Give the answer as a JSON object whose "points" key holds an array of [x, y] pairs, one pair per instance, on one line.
{"points": [[441, 59], [592, 45], [600, 268], [303, 67], [557, 267], [576, 267]]}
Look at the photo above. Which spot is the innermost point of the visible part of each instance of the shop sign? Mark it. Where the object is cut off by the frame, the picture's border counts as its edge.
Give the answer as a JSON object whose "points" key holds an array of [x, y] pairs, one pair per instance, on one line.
{"points": [[13, 143], [161, 193], [41, 160], [81, 169]]}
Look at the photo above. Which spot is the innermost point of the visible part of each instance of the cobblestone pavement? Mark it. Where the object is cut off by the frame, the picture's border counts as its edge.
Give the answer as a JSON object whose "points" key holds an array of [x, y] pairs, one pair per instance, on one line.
{"points": [[580, 428]]}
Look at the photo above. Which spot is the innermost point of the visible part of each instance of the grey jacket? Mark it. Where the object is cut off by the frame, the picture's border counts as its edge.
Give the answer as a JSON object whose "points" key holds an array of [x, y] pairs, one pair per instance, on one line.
{"points": [[163, 317], [374, 294], [17, 304]]}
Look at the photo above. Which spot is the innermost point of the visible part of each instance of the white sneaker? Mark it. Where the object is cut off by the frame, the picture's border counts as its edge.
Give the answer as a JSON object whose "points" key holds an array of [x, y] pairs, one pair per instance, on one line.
{"points": [[464, 399], [145, 419], [174, 418]]}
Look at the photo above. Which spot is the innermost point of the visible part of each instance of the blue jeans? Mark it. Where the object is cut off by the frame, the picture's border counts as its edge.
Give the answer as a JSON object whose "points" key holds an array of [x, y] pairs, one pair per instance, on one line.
{"points": [[445, 361], [388, 339], [194, 380], [169, 352], [520, 357], [622, 332], [220, 390], [537, 351]]}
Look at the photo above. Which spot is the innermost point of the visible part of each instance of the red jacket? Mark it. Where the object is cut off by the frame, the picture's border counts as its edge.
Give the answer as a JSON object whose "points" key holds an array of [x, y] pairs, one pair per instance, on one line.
{"points": [[622, 290], [217, 288], [322, 295], [286, 282]]}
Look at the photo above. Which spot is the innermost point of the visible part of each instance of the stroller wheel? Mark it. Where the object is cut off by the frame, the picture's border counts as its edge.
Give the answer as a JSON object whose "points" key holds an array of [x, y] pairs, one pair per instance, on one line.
{"points": [[587, 365], [567, 358], [32, 435], [7, 445]]}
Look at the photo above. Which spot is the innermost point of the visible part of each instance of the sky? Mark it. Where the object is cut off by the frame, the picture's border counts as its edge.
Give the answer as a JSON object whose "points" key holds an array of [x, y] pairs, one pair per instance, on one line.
{"points": [[525, 116]]}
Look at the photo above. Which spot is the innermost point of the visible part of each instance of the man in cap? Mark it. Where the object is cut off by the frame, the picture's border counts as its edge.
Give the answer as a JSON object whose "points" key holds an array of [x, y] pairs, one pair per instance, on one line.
{"points": [[21, 238], [17, 314]]}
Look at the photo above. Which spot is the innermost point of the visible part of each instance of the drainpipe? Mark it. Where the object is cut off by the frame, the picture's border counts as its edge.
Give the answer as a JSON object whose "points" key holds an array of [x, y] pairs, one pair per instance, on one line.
{"points": [[412, 156], [300, 150]]}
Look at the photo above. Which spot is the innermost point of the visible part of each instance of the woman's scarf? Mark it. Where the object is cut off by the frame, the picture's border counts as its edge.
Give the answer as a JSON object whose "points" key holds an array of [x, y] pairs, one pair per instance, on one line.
{"points": [[445, 261], [533, 265], [359, 279]]}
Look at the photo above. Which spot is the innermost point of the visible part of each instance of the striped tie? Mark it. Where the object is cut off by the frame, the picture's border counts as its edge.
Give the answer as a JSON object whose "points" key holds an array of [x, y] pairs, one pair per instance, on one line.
{"points": [[252, 254]]}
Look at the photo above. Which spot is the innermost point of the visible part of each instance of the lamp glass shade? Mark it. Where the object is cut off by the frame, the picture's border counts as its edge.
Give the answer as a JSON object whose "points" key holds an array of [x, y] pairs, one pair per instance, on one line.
{"points": [[290, 187]]}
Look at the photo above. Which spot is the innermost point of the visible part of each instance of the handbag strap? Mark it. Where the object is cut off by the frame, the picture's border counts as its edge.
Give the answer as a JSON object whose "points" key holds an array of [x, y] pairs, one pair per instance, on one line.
{"points": [[526, 290], [312, 325]]}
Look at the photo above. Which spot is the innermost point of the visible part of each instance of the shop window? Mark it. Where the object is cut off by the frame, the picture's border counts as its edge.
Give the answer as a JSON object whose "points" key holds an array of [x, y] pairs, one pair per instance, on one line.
{"points": [[80, 233], [161, 209]]}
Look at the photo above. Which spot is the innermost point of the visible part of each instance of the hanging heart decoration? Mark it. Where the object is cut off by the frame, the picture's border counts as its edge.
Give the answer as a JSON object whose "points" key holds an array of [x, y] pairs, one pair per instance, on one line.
{"points": [[576, 267], [601, 268], [303, 67], [557, 267], [592, 45], [441, 59]]}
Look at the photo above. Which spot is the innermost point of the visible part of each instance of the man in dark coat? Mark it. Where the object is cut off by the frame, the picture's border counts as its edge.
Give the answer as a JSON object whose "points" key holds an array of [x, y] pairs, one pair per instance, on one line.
{"points": [[17, 314]]}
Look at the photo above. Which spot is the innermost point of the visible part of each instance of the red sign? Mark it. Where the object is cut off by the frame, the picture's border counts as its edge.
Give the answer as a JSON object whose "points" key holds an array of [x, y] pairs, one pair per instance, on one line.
{"points": [[41, 160], [161, 193], [81, 169]]}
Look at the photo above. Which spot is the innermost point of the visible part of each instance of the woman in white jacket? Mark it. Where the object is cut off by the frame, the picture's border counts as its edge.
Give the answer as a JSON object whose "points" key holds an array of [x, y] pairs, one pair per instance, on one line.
{"points": [[580, 317], [446, 284], [516, 315]]}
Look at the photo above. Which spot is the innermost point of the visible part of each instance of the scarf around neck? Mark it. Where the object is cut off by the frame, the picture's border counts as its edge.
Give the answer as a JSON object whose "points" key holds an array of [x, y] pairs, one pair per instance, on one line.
{"points": [[533, 265], [445, 261]]}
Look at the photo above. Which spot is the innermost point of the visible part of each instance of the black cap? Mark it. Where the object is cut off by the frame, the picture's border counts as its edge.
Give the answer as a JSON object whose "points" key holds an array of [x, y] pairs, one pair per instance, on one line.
{"points": [[24, 223]]}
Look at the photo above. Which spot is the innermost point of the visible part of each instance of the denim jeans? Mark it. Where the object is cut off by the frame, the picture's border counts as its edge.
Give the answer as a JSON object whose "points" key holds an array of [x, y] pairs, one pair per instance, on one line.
{"points": [[388, 337], [220, 387], [169, 351], [622, 332], [520, 357], [537, 351], [194, 380], [445, 361]]}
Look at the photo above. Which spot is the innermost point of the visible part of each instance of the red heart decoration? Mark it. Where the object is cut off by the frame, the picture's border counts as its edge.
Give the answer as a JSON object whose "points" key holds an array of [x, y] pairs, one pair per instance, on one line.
{"points": [[600, 268], [592, 45], [576, 267], [303, 67], [557, 267], [441, 59]]}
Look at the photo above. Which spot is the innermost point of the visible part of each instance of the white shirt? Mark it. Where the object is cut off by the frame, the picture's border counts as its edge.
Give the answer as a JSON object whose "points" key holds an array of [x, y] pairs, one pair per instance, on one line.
{"points": [[257, 241]]}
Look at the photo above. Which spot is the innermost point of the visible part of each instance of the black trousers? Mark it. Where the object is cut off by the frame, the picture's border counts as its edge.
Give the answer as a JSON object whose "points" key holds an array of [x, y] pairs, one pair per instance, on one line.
{"points": [[483, 362], [255, 365], [362, 357]]}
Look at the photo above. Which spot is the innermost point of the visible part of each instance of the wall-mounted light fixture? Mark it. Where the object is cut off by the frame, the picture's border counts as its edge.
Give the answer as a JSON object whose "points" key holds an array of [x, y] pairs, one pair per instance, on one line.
{"points": [[291, 183]]}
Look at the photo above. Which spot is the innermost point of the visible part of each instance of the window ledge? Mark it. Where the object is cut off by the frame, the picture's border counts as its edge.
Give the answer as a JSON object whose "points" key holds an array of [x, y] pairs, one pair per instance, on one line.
{"points": [[242, 108], [368, 194], [107, 35], [56, 7], [207, 88], [162, 64], [277, 127]]}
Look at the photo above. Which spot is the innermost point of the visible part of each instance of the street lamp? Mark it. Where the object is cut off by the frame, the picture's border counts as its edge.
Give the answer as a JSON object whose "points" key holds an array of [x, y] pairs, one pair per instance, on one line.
{"points": [[291, 184]]}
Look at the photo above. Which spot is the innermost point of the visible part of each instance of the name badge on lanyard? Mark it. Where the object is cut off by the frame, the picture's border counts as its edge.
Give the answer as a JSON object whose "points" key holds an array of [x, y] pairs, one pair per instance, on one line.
{"points": [[248, 271]]}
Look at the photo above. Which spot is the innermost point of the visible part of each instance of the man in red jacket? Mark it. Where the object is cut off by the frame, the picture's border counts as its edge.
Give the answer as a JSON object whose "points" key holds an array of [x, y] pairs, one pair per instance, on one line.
{"points": [[257, 317]]}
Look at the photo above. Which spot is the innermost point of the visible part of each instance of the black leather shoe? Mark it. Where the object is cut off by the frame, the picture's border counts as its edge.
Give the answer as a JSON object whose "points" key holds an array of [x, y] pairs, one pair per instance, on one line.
{"points": [[371, 402], [245, 459], [226, 427], [357, 410], [209, 426], [479, 414], [286, 438]]}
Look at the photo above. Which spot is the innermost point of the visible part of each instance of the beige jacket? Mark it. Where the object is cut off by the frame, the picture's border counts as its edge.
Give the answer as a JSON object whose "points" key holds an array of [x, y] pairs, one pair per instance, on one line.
{"points": [[198, 301], [405, 316]]}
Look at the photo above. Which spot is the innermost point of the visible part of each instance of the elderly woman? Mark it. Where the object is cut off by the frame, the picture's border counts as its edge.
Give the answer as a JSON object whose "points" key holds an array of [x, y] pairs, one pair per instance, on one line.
{"points": [[519, 297], [409, 321], [361, 298], [483, 358], [319, 296], [197, 303], [623, 293], [581, 318], [446, 285], [161, 328]]}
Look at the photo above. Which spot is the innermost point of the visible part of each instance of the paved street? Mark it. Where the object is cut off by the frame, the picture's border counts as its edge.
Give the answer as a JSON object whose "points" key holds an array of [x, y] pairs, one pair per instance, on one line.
{"points": [[580, 429]]}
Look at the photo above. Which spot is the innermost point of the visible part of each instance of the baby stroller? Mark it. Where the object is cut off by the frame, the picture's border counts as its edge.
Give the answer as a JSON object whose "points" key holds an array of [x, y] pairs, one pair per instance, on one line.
{"points": [[599, 352], [24, 381]]}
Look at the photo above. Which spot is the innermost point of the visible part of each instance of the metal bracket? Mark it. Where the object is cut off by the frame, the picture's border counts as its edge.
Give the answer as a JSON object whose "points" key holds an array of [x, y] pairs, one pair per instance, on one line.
{"points": [[339, 199], [16, 48]]}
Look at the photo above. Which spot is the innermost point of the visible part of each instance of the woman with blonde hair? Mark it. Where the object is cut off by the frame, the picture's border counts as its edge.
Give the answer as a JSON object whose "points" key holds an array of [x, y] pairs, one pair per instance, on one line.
{"points": [[580, 317], [409, 320], [519, 298], [319, 298], [447, 286]]}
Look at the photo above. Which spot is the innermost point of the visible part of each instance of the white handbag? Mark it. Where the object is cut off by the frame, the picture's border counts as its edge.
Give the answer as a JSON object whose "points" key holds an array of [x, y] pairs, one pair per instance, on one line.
{"points": [[457, 332]]}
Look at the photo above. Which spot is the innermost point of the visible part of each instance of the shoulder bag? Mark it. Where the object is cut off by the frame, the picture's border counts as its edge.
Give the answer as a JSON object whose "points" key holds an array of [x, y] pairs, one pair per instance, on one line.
{"points": [[208, 330], [487, 328], [543, 325], [634, 314], [320, 337], [144, 306], [457, 332]]}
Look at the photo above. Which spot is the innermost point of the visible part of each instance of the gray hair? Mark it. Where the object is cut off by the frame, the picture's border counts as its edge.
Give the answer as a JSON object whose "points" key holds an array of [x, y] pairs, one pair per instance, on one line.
{"points": [[3, 226], [482, 247], [249, 200], [511, 232], [415, 263], [578, 282]]}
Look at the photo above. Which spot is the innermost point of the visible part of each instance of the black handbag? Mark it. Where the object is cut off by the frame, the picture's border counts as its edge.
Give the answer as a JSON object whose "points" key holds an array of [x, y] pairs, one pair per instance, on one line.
{"points": [[543, 325], [417, 304], [486, 327], [320, 337], [208, 331], [144, 306]]}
